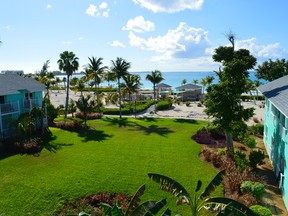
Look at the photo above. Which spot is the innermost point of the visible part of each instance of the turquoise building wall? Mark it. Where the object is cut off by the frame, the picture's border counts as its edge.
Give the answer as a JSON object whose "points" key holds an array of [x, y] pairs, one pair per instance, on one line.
{"points": [[276, 141]]}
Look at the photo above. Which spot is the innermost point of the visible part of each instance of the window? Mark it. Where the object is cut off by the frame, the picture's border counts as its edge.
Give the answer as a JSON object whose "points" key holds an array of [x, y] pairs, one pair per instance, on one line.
{"points": [[2, 100]]}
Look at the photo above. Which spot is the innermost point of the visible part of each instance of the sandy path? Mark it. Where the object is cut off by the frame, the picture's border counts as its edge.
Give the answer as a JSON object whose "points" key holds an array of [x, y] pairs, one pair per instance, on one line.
{"points": [[176, 111]]}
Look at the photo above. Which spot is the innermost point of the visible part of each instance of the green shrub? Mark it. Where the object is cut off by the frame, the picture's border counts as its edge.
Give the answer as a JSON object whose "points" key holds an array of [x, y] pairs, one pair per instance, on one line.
{"points": [[256, 158], [240, 160], [255, 188], [256, 130], [222, 151], [187, 103], [52, 113], [249, 141], [261, 210], [239, 131], [199, 105], [164, 104]]}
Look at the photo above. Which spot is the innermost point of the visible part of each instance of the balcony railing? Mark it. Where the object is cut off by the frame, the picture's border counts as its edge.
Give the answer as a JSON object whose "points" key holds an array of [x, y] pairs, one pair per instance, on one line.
{"points": [[19, 106]]}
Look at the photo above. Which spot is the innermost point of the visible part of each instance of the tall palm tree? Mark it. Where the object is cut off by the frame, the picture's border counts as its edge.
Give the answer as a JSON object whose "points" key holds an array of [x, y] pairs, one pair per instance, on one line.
{"points": [[209, 80], [257, 83], [204, 84], [155, 77], [69, 63], [195, 81], [120, 68], [184, 81], [109, 76], [94, 71], [131, 85]]}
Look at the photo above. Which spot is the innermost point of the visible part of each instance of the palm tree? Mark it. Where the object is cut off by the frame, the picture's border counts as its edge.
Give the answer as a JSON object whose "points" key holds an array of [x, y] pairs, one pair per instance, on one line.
{"points": [[209, 80], [204, 84], [85, 106], [131, 85], [94, 71], [155, 77], [202, 202], [120, 69], [195, 81], [257, 83], [109, 76], [69, 63], [184, 81]]}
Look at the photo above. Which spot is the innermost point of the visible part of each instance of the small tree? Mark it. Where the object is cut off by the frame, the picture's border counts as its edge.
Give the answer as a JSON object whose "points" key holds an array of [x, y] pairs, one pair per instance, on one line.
{"points": [[85, 106], [271, 70], [223, 100]]}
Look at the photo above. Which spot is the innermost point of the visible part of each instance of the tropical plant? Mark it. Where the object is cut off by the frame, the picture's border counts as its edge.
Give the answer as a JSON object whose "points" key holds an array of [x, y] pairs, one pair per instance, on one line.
{"points": [[209, 80], [199, 204], [271, 70], [109, 76], [72, 107], [69, 63], [155, 77], [131, 85], [195, 81], [257, 83], [223, 100], [85, 106], [95, 71], [120, 68], [134, 208], [204, 84]]}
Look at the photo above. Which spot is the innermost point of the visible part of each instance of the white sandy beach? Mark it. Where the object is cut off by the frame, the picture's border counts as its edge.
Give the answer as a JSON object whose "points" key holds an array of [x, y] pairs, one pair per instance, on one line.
{"points": [[176, 111]]}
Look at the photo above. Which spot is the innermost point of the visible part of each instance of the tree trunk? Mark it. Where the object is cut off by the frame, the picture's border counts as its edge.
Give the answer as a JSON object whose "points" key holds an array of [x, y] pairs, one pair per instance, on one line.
{"points": [[120, 98], [154, 89], [229, 144], [67, 97]]}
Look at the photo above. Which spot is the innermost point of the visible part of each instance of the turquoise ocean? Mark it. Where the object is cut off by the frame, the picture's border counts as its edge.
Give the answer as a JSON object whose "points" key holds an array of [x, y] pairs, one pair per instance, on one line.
{"points": [[173, 79]]}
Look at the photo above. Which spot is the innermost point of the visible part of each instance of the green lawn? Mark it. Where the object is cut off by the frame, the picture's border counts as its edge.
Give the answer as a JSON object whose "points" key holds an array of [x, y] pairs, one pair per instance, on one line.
{"points": [[115, 157]]}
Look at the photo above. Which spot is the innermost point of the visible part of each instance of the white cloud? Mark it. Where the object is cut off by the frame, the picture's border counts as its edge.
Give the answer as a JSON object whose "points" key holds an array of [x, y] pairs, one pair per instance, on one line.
{"points": [[170, 6], [103, 5], [261, 51], [138, 24], [103, 10], [81, 38], [182, 42], [48, 6], [92, 10], [66, 42], [117, 44]]}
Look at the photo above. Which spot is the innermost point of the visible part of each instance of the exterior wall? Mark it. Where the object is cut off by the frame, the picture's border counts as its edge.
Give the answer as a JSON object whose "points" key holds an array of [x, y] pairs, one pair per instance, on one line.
{"points": [[276, 142]]}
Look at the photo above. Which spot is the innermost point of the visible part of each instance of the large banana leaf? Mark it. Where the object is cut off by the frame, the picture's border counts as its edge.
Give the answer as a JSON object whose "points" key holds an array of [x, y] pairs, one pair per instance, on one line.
{"points": [[170, 185], [149, 208], [231, 204], [111, 211], [216, 181], [135, 200]]}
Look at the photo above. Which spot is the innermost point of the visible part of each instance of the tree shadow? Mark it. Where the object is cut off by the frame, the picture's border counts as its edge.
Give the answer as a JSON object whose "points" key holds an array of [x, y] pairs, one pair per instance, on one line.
{"points": [[94, 135], [162, 131], [191, 121], [123, 122], [147, 119], [274, 92]]}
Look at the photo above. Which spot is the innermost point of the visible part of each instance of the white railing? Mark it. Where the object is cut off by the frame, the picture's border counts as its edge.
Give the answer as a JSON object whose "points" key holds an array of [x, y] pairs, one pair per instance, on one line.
{"points": [[29, 104], [9, 108], [14, 107]]}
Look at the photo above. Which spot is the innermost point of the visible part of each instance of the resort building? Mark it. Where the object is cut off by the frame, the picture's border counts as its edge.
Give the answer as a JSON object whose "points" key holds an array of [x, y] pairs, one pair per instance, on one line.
{"points": [[275, 129], [189, 92], [18, 72], [18, 95], [163, 90]]}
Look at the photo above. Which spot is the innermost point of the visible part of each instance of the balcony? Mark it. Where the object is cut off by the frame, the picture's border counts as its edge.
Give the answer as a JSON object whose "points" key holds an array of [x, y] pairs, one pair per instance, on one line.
{"points": [[19, 106]]}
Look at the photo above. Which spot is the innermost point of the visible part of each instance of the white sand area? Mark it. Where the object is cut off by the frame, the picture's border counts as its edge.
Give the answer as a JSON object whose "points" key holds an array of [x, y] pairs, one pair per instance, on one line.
{"points": [[176, 111]]}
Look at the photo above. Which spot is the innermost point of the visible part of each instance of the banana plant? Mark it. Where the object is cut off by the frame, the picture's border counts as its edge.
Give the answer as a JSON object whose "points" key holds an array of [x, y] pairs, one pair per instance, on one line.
{"points": [[148, 208], [200, 203]]}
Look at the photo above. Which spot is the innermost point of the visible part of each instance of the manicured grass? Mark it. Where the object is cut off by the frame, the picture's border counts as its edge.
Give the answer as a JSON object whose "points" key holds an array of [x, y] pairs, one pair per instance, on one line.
{"points": [[115, 157]]}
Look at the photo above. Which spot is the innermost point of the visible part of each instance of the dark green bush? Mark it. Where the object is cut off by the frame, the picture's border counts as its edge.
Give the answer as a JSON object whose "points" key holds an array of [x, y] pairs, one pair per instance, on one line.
{"points": [[164, 104], [240, 160], [256, 130], [256, 158], [261, 210], [255, 188], [187, 103], [52, 113], [249, 141], [239, 130]]}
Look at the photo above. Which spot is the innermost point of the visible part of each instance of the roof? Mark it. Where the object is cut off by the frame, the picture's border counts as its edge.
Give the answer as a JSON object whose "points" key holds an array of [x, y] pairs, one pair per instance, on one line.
{"points": [[12, 83], [188, 87], [277, 92], [163, 85]]}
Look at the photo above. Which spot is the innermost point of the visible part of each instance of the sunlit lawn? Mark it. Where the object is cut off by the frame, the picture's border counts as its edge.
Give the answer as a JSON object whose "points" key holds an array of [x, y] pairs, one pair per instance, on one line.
{"points": [[115, 157]]}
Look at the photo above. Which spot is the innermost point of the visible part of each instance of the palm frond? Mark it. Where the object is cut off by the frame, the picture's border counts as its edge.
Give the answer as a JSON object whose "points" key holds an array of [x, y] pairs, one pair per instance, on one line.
{"points": [[149, 208], [216, 181], [232, 204], [198, 187], [169, 185], [135, 199]]}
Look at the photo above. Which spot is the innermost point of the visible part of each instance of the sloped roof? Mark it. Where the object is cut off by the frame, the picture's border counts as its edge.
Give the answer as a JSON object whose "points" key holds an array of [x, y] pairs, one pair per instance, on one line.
{"points": [[163, 85], [277, 92], [188, 87], [12, 83]]}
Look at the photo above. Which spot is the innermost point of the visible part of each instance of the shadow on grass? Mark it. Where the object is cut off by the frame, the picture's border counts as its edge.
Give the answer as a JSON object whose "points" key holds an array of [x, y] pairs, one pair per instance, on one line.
{"points": [[147, 119], [123, 122], [192, 121], [162, 131], [94, 135]]}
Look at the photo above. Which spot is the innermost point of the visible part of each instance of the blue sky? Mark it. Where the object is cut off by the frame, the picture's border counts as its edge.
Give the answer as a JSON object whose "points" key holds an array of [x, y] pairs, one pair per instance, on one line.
{"points": [[168, 35]]}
